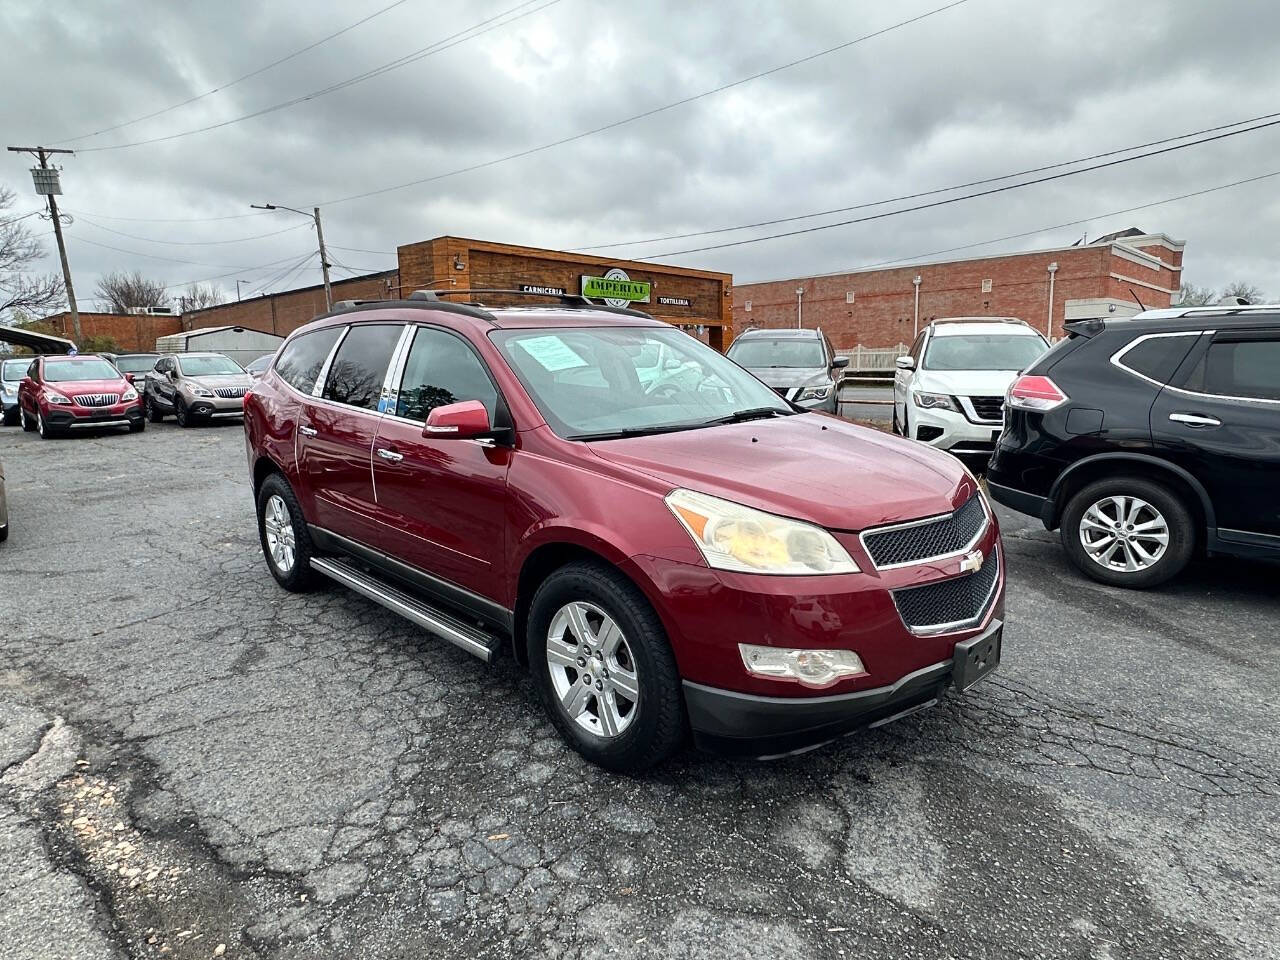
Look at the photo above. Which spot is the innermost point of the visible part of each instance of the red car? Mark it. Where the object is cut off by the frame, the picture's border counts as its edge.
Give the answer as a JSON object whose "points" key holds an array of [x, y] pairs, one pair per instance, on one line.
{"points": [[666, 543], [60, 394]]}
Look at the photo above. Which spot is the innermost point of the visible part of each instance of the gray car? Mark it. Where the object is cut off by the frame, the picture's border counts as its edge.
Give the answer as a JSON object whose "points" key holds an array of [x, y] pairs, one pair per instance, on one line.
{"points": [[799, 365], [11, 374], [196, 387]]}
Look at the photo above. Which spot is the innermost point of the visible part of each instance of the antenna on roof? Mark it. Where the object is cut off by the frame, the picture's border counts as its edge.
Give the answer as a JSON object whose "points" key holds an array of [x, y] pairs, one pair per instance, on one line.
{"points": [[1136, 300]]}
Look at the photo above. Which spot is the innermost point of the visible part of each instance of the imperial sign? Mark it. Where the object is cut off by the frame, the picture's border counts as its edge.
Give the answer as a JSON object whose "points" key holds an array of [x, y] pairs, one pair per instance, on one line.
{"points": [[616, 288]]}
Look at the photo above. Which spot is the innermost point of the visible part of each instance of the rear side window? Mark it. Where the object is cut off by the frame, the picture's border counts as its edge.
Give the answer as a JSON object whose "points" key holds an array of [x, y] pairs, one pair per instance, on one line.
{"points": [[1239, 368], [301, 360], [1158, 357], [442, 369], [360, 365]]}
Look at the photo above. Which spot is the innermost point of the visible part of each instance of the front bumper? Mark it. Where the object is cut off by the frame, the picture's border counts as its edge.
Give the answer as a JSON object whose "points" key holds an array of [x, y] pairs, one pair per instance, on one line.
{"points": [[958, 434], [215, 407], [76, 417], [741, 724]]}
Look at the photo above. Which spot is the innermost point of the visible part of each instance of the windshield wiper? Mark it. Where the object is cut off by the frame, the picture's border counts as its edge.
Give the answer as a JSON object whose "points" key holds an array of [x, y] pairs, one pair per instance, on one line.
{"points": [[635, 431], [752, 413]]}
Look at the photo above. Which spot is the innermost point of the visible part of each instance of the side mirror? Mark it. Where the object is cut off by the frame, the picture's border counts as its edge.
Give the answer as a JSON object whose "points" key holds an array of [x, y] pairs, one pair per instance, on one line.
{"points": [[840, 363], [458, 421], [905, 363], [128, 378]]}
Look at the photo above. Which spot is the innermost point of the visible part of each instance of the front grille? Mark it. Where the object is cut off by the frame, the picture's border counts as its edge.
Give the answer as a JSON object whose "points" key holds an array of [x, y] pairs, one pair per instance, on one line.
{"points": [[951, 604], [988, 408], [925, 539], [96, 399], [230, 393]]}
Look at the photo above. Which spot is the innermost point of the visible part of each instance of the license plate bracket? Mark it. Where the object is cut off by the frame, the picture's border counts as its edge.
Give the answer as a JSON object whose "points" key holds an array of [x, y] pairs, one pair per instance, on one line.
{"points": [[974, 659]]}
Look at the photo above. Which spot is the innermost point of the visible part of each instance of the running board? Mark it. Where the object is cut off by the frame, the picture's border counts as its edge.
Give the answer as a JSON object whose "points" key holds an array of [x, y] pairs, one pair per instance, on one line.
{"points": [[446, 626]]}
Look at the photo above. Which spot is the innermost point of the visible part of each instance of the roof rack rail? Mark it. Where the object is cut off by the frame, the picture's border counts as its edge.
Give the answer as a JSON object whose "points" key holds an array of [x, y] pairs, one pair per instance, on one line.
{"points": [[574, 300], [420, 303], [1211, 310], [943, 320]]}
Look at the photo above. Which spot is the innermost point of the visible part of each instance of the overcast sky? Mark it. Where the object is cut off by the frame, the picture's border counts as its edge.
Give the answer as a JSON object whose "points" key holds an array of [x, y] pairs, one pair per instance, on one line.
{"points": [[986, 88]]}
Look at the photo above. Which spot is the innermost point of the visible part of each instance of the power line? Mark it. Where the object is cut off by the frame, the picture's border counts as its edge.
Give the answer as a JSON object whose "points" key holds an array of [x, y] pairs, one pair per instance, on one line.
{"points": [[189, 243], [966, 196], [105, 216], [152, 256], [232, 83], [648, 113], [238, 270], [438, 46]]}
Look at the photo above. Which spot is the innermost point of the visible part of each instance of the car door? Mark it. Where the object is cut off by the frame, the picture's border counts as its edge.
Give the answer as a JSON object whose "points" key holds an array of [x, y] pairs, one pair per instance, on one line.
{"points": [[1220, 420], [336, 428], [443, 501]]}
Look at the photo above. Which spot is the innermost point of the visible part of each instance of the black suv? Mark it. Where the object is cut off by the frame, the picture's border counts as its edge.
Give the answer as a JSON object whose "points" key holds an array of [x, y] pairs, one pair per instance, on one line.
{"points": [[1148, 438]]}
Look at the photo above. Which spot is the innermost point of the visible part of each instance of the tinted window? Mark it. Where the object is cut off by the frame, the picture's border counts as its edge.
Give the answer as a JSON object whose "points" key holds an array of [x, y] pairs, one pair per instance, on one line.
{"points": [[442, 369], [301, 360], [1158, 357], [360, 365], [762, 352], [983, 351], [1240, 368]]}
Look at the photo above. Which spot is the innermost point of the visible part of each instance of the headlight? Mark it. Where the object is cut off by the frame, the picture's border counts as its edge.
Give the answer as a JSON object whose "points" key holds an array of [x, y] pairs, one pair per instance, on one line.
{"points": [[814, 393], [128, 395], [199, 391], [811, 668], [935, 401], [734, 537], [56, 398]]}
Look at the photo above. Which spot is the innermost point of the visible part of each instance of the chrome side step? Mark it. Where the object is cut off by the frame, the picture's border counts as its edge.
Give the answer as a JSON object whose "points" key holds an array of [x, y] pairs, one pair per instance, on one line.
{"points": [[474, 640]]}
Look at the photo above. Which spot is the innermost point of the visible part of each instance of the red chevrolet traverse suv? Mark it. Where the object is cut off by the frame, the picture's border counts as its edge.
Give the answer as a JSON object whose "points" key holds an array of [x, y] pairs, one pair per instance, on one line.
{"points": [[667, 544]]}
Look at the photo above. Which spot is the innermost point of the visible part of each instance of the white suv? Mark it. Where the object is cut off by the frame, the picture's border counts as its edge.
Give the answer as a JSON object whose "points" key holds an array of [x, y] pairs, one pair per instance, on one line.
{"points": [[949, 391]]}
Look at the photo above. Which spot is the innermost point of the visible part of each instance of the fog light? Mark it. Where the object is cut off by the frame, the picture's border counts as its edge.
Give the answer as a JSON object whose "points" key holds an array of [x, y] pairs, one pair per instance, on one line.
{"points": [[812, 668]]}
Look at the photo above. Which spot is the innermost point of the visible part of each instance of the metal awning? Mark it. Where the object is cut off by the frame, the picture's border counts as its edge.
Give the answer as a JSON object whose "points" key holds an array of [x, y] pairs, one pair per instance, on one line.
{"points": [[34, 340]]}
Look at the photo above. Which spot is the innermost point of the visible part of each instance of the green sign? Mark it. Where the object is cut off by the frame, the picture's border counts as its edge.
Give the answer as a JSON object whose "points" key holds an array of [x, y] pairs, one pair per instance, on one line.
{"points": [[616, 288]]}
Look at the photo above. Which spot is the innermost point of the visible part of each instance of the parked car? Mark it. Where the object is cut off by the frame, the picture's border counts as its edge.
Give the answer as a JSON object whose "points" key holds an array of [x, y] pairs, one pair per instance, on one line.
{"points": [[196, 387], [135, 366], [799, 365], [74, 393], [949, 390], [708, 558], [1148, 439], [256, 368], [11, 374], [4, 509]]}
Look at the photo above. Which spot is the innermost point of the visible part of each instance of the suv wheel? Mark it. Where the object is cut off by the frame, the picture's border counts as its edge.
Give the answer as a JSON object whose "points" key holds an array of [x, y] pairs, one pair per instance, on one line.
{"points": [[27, 425], [153, 412], [1128, 532], [604, 668], [11, 416], [180, 412], [286, 544], [42, 427]]}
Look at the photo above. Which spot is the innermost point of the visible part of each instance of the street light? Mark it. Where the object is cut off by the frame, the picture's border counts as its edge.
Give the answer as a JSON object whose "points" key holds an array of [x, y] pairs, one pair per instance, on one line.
{"points": [[1053, 269], [324, 260], [916, 327]]}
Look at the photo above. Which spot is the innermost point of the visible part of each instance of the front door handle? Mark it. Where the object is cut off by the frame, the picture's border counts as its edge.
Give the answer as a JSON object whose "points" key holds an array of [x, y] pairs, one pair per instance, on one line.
{"points": [[1195, 420], [391, 455], [307, 431]]}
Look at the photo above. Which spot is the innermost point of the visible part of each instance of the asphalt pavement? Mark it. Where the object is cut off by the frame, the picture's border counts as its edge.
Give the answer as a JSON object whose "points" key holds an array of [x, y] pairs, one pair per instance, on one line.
{"points": [[194, 763]]}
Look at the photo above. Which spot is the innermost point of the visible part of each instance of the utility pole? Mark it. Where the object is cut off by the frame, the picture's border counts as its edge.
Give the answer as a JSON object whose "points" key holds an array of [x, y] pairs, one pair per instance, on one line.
{"points": [[48, 183], [324, 260]]}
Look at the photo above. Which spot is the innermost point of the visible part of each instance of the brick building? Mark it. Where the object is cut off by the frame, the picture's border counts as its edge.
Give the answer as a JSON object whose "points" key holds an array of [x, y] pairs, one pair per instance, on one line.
{"points": [[877, 308], [129, 331]]}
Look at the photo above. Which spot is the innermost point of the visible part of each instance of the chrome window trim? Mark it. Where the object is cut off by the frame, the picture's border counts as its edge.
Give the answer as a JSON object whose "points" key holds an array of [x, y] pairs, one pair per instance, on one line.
{"points": [[317, 388], [1118, 356], [955, 626], [986, 523]]}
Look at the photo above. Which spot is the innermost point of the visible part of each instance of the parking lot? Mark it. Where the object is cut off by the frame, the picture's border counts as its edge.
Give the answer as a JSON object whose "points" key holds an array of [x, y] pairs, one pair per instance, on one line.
{"points": [[193, 759]]}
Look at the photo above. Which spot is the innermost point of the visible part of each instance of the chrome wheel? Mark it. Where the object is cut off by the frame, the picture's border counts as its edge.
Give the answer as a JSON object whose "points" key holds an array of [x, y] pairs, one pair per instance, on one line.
{"points": [[277, 524], [1126, 534], [592, 670]]}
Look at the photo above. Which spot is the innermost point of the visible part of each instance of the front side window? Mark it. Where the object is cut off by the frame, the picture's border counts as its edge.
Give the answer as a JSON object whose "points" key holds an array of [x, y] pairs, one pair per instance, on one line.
{"points": [[755, 353], [1239, 368], [601, 382], [209, 366], [983, 351], [360, 365], [442, 369], [90, 368], [300, 361]]}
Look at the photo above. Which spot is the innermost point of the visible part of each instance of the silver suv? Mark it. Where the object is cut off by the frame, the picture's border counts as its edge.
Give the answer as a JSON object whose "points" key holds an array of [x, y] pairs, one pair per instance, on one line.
{"points": [[195, 387], [800, 365]]}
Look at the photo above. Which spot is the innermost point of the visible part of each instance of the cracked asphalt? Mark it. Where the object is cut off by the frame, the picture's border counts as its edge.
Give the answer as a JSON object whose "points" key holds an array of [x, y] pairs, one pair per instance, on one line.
{"points": [[194, 763]]}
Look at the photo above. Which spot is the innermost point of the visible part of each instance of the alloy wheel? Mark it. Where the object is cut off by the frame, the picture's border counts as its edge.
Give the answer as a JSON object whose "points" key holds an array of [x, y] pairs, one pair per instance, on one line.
{"points": [[277, 524], [1125, 534], [592, 670]]}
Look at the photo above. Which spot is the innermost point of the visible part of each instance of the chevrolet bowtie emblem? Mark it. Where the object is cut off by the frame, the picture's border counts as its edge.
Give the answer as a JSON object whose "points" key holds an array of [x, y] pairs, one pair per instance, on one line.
{"points": [[972, 562]]}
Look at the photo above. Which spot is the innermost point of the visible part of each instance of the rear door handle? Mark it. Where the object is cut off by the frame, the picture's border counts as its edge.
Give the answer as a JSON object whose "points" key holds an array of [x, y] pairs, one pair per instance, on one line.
{"points": [[307, 431], [391, 455], [1195, 420]]}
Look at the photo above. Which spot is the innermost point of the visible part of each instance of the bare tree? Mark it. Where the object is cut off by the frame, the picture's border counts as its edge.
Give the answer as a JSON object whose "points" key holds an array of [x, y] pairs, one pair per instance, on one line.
{"points": [[1244, 291], [20, 289], [198, 296], [1189, 295], [120, 291]]}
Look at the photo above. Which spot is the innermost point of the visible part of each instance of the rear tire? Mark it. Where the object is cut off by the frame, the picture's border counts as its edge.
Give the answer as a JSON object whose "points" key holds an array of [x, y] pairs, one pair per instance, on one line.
{"points": [[282, 531], [11, 416], [1128, 531], [606, 640]]}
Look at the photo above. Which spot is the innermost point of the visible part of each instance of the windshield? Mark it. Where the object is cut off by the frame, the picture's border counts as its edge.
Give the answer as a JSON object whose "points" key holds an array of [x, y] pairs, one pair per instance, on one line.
{"points": [[603, 382], [136, 363], [90, 368], [208, 366], [753, 353], [983, 351], [257, 366], [14, 369]]}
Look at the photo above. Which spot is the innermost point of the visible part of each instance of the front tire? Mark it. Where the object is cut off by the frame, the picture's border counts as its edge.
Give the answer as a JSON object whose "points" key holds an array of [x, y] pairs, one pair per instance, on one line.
{"points": [[282, 531], [11, 416], [137, 426], [1128, 532], [604, 668], [152, 411], [43, 428], [27, 423], [180, 412]]}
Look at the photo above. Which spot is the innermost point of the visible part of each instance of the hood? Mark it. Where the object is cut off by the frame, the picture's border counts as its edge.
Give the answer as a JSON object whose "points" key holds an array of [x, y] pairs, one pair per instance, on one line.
{"points": [[72, 387], [791, 376], [223, 380], [809, 467], [965, 383]]}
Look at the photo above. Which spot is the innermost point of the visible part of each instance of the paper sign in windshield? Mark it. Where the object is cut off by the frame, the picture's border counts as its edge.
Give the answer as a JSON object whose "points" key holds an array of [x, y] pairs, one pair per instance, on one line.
{"points": [[552, 352]]}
